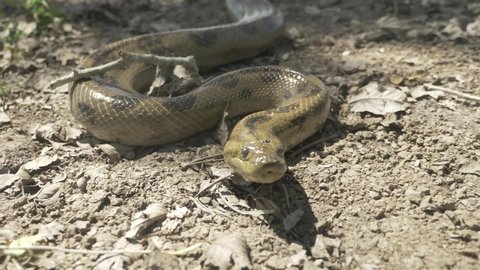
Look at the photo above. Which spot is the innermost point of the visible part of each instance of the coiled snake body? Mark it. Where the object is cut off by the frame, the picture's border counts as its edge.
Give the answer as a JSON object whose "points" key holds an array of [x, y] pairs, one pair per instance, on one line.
{"points": [[286, 106]]}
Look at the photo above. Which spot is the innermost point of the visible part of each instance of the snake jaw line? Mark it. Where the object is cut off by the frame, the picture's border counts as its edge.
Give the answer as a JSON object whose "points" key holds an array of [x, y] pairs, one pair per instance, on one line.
{"points": [[261, 155]]}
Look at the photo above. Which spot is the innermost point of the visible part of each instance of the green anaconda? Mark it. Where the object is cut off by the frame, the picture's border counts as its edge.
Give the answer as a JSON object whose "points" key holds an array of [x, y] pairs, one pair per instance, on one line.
{"points": [[284, 107]]}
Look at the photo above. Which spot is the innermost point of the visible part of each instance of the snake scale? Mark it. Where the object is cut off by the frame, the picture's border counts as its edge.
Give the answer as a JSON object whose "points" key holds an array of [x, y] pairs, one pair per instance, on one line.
{"points": [[284, 107]]}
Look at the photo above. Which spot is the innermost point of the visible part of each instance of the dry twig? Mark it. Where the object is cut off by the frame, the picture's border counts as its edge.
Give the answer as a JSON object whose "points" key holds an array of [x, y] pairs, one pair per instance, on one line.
{"points": [[451, 91], [75, 251], [125, 59]]}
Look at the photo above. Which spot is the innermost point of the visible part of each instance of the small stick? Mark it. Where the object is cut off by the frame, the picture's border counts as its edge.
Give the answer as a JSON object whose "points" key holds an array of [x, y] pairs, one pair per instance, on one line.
{"points": [[76, 251], [216, 181], [202, 160], [85, 73], [125, 58], [287, 199], [451, 91]]}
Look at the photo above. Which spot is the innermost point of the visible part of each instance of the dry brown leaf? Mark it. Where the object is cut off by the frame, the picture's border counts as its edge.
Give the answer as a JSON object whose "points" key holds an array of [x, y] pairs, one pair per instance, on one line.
{"points": [[48, 133], [420, 91], [49, 193], [397, 80], [372, 100], [26, 27], [229, 252], [7, 180], [24, 242], [116, 151], [36, 165], [72, 134], [142, 220], [265, 204], [178, 213], [174, 220], [221, 172], [291, 220]]}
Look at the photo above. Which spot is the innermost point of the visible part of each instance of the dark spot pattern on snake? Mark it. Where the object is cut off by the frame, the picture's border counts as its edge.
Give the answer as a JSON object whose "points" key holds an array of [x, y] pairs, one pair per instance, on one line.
{"points": [[312, 91], [246, 93], [288, 108], [301, 87], [204, 38], [287, 94], [298, 121], [85, 109], [253, 121], [229, 83], [180, 103]]}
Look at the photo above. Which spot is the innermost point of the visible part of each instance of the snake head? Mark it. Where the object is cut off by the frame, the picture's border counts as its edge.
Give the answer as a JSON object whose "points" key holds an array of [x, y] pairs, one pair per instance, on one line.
{"points": [[257, 157]]}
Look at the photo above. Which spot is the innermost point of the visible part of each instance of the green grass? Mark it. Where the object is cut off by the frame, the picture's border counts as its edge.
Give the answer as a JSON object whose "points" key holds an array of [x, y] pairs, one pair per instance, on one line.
{"points": [[41, 11], [4, 93]]}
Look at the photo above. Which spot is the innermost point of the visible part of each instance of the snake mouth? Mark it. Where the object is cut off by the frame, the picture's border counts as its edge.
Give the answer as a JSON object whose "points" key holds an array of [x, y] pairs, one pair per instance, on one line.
{"points": [[265, 174]]}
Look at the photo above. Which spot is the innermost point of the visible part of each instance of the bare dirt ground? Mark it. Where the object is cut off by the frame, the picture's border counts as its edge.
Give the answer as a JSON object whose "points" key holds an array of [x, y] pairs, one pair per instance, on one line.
{"points": [[393, 191]]}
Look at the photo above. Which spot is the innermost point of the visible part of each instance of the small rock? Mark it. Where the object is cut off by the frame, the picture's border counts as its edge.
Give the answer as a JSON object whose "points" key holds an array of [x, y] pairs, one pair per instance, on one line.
{"points": [[472, 167], [323, 226], [82, 184], [319, 250], [473, 29], [444, 204], [309, 265], [297, 259], [374, 227], [426, 204], [375, 195], [293, 33], [413, 196], [274, 262], [82, 226], [4, 119], [231, 252], [413, 262], [28, 44], [116, 151]]}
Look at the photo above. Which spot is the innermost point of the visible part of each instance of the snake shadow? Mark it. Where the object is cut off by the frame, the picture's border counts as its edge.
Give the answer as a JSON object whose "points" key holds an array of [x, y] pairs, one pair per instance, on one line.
{"points": [[295, 221]]}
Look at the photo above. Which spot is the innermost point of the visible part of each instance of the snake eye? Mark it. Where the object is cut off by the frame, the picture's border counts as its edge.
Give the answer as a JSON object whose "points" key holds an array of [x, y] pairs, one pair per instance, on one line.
{"points": [[244, 152], [266, 141]]}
